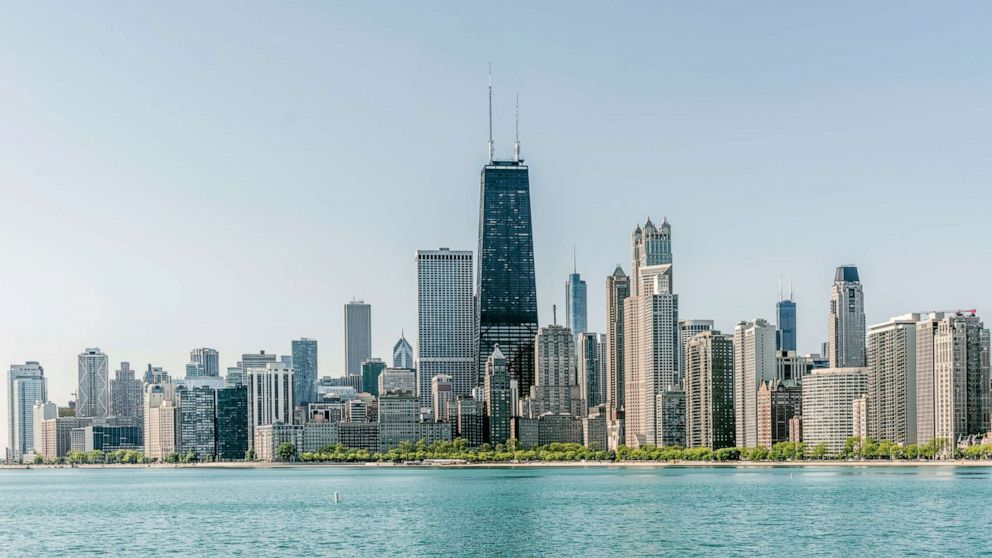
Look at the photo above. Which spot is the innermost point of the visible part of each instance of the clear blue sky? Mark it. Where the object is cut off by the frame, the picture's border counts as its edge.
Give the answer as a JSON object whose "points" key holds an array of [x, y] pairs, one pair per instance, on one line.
{"points": [[230, 174]]}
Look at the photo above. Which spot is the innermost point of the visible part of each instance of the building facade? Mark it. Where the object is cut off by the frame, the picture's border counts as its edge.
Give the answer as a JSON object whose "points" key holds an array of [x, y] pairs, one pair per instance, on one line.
{"points": [[232, 422], [785, 315], [203, 362], [555, 389], [93, 392], [442, 398], [498, 410], [357, 336], [26, 386], [127, 395], [617, 291], [754, 362], [270, 396], [846, 325], [709, 391], [687, 330], [891, 413], [403, 354], [778, 403], [576, 315], [196, 428], [506, 289], [591, 368], [828, 395]]}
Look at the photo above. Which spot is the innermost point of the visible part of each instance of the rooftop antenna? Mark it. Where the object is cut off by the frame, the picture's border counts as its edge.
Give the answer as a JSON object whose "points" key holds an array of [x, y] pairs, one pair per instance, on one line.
{"points": [[492, 149], [792, 292], [780, 295], [554, 313], [516, 140], [574, 270]]}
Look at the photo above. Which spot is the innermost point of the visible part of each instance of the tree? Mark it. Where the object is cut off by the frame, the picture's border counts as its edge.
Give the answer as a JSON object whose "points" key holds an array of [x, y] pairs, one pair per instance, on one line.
{"points": [[38, 459], [819, 451], [286, 452]]}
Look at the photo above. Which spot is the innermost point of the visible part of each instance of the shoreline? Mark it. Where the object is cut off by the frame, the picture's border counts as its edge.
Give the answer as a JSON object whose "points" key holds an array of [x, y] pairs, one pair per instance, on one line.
{"points": [[523, 465]]}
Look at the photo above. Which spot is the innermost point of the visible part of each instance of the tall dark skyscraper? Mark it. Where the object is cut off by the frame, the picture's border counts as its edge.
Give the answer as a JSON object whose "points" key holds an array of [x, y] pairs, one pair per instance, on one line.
{"points": [[305, 371], [506, 290], [785, 310]]}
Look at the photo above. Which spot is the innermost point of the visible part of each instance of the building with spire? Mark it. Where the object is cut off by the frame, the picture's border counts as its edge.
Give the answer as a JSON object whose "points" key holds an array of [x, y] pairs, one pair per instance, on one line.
{"points": [[847, 320], [506, 288], [576, 317], [403, 354], [785, 315]]}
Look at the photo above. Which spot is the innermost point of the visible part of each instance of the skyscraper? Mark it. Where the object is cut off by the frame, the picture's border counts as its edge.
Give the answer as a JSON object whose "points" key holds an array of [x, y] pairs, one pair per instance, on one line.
{"points": [[270, 397], [651, 339], [892, 380], [357, 335], [497, 386], [445, 321], [304, 371], [93, 393], [203, 362], [371, 369], [709, 391], [952, 366], [555, 389], [195, 428], [785, 314], [847, 319], [403, 354], [576, 317], [687, 330], [160, 419], [505, 283], [126, 395], [26, 385], [617, 290], [754, 362], [232, 422], [591, 368]]}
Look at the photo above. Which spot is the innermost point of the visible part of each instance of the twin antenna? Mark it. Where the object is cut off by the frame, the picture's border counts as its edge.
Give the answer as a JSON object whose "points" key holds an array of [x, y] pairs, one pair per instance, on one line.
{"points": [[516, 140]]}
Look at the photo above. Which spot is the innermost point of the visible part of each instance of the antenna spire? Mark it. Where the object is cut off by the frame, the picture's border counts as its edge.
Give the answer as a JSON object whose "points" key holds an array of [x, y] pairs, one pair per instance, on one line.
{"points": [[574, 270], [516, 141], [492, 149]]}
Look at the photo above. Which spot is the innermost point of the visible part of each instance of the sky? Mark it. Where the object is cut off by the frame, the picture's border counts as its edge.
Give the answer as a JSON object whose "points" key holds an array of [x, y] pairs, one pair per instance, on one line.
{"points": [[185, 174]]}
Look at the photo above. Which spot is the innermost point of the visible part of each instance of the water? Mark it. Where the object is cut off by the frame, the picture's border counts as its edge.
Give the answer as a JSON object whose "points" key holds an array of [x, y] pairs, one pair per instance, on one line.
{"points": [[823, 511]]}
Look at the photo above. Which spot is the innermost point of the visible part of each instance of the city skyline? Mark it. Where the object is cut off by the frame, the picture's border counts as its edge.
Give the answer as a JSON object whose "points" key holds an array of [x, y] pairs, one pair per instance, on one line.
{"points": [[52, 319]]}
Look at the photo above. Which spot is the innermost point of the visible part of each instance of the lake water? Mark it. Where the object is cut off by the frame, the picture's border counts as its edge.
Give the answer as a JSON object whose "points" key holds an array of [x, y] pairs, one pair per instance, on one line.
{"points": [[497, 512]]}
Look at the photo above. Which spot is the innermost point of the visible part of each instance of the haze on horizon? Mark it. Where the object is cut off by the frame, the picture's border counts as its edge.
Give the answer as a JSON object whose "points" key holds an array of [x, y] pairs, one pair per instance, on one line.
{"points": [[229, 175]]}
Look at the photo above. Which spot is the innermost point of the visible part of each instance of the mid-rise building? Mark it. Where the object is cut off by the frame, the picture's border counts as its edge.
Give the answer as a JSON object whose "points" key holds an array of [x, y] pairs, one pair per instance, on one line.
{"points": [[891, 400], [670, 413], [687, 330], [42, 411], [594, 432], [58, 435], [403, 354], [203, 362], [371, 370], [357, 336], [709, 391], [471, 420], [397, 380], [232, 422], [952, 377], [161, 417], [859, 417], [359, 435], [847, 319], [754, 362], [106, 438], [445, 320], [196, 429], [304, 371], [790, 367], [442, 398], [127, 395], [26, 386], [828, 395], [778, 404], [399, 413], [498, 410], [93, 393], [268, 438]]}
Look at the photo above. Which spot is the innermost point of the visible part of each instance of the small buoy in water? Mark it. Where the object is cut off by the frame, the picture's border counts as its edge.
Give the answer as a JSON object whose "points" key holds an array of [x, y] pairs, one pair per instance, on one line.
{"points": [[337, 497]]}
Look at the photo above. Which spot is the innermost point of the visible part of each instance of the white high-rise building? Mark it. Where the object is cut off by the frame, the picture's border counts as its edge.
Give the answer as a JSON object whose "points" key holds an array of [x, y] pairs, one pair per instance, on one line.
{"points": [[651, 337], [952, 377], [828, 405], [687, 330], [93, 393], [445, 321], [892, 380], [754, 362], [847, 319], [26, 385], [270, 397], [357, 336]]}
